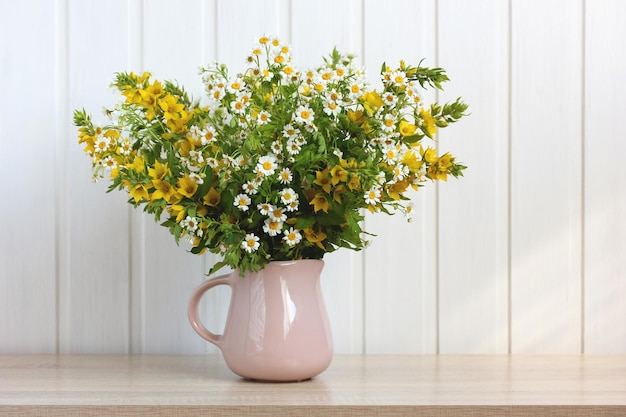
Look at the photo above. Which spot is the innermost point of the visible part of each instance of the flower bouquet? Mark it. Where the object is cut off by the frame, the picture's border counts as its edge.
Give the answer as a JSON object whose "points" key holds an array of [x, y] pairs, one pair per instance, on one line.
{"points": [[275, 163]]}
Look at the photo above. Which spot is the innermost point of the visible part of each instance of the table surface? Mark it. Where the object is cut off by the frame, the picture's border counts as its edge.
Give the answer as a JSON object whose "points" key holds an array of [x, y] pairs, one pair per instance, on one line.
{"points": [[354, 385]]}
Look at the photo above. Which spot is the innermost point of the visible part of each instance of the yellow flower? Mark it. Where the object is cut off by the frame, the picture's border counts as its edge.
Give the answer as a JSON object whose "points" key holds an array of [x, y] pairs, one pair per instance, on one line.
{"points": [[133, 95], [320, 202], [159, 171], [315, 237], [137, 164], [212, 198], [177, 211], [338, 174], [166, 191], [171, 107], [431, 155], [322, 179], [411, 160], [372, 101], [407, 129], [355, 183], [397, 188], [357, 117], [139, 192], [187, 186], [338, 192], [429, 121]]}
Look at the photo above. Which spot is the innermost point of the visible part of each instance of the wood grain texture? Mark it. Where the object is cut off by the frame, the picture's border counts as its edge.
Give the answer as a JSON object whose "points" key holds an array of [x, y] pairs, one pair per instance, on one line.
{"points": [[444, 385]]}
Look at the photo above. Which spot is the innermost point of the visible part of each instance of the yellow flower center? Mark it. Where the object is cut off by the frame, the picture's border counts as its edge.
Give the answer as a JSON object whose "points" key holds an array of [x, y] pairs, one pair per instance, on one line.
{"points": [[267, 165]]}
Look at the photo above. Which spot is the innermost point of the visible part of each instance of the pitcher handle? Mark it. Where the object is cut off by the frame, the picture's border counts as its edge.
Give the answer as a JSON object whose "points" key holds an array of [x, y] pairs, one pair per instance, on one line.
{"points": [[192, 308]]}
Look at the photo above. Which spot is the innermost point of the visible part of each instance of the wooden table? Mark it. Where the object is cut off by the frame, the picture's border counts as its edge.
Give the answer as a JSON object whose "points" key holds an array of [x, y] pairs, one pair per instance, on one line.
{"points": [[354, 385]]}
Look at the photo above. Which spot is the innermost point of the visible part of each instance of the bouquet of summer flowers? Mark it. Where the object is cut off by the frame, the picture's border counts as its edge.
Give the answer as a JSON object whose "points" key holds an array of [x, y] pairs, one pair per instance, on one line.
{"points": [[276, 163]]}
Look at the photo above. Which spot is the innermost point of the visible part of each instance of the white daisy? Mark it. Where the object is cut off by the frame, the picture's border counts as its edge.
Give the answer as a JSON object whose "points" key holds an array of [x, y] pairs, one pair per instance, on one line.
{"points": [[285, 176], [267, 164], [390, 99], [331, 108], [109, 163], [236, 86], [125, 146], [288, 195], [292, 236], [263, 118], [278, 214], [293, 206], [197, 178], [290, 132], [250, 243], [190, 223], [372, 197], [390, 154], [400, 171], [101, 144], [242, 202], [408, 211], [265, 208], [250, 187], [293, 147], [208, 135], [277, 147], [304, 115], [272, 227], [239, 107]]}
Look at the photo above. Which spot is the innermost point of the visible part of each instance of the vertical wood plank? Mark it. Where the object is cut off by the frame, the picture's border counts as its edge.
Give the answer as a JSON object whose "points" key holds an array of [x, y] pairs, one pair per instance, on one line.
{"points": [[28, 129], [400, 275], [473, 210], [546, 176], [605, 182], [94, 295], [315, 32]]}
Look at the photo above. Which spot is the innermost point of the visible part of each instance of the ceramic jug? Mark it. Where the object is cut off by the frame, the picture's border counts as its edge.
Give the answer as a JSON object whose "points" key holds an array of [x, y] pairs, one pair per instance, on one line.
{"points": [[277, 327]]}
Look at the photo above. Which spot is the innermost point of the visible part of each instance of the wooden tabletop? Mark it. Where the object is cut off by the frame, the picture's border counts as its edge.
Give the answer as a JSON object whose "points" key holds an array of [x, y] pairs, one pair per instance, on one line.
{"points": [[354, 385]]}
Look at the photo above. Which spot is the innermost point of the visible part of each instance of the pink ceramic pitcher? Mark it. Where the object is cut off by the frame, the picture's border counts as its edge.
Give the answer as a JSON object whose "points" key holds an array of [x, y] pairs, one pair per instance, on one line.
{"points": [[277, 328]]}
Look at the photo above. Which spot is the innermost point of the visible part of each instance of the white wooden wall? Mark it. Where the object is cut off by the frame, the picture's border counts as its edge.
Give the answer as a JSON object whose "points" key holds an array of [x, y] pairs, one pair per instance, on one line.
{"points": [[526, 254]]}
